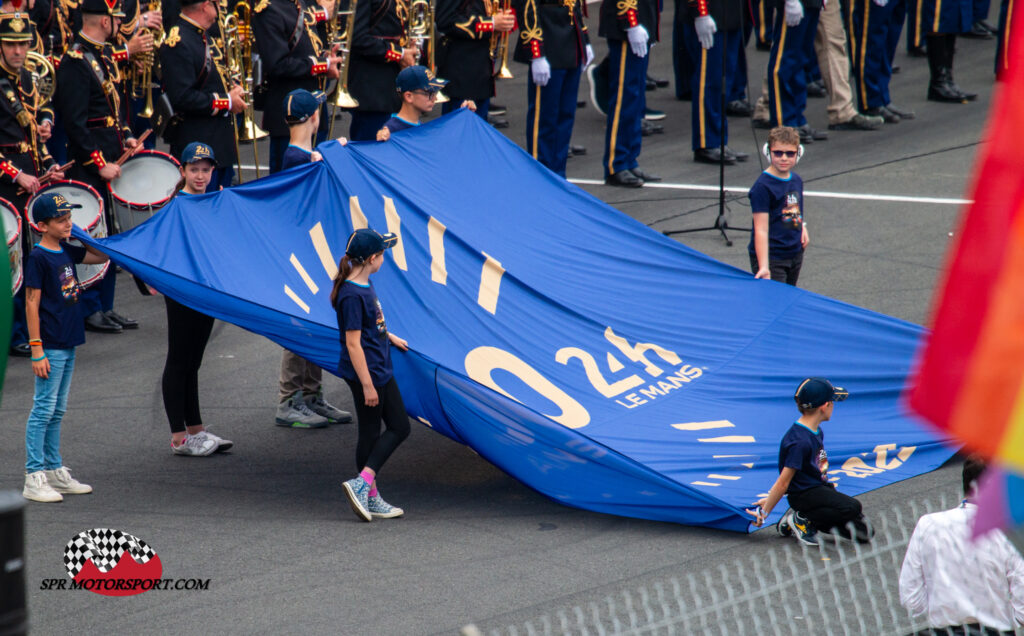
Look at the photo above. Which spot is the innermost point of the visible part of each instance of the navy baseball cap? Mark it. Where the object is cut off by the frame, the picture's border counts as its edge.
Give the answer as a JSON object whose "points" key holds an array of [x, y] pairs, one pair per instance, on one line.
{"points": [[364, 243], [197, 151], [418, 78], [813, 392], [300, 104], [52, 205]]}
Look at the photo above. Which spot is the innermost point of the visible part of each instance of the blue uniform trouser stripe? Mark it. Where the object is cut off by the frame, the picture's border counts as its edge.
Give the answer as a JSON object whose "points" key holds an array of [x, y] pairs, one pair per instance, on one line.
{"points": [[556, 117], [787, 81], [872, 68], [626, 105]]}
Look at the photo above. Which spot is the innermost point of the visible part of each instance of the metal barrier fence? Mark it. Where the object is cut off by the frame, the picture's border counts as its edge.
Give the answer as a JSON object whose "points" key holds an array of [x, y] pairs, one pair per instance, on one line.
{"points": [[839, 587]]}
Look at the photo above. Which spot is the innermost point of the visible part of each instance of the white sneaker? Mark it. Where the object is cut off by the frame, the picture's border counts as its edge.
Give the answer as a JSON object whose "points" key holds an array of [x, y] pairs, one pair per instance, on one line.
{"points": [[222, 444], [195, 446], [62, 481], [38, 489]]}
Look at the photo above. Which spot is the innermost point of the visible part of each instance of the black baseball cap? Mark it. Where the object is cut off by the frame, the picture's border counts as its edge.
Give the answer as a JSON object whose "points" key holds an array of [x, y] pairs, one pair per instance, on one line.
{"points": [[813, 392], [365, 242], [50, 206]]}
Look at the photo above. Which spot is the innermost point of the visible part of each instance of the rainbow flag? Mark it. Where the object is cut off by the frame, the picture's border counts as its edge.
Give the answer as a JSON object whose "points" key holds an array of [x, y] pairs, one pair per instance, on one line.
{"points": [[971, 377]]}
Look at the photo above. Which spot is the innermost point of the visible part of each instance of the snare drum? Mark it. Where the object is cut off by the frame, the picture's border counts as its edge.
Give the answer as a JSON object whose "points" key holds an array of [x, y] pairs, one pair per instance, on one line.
{"points": [[89, 218], [148, 181], [12, 233]]}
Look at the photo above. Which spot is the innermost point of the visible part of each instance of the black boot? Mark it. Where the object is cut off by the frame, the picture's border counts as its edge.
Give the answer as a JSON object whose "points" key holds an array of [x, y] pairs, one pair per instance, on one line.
{"points": [[950, 52], [940, 88]]}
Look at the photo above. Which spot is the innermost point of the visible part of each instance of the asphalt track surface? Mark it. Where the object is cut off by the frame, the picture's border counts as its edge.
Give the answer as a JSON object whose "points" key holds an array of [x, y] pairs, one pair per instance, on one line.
{"points": [[268, 524]]}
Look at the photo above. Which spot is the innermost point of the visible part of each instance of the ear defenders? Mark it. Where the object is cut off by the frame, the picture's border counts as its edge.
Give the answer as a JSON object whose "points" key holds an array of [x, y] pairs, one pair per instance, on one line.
{"points": [[768, 153]]}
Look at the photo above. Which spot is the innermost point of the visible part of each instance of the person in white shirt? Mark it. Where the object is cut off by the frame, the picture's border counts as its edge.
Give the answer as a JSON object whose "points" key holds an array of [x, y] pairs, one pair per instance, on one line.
{"points": [[963, 586]]}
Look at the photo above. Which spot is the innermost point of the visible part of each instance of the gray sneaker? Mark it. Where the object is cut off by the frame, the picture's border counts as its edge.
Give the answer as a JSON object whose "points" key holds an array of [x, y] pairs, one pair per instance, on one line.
{"points": [[222, 444], [358, 492], [195, 446], [322, 407], [380, 509], [295, 413]]}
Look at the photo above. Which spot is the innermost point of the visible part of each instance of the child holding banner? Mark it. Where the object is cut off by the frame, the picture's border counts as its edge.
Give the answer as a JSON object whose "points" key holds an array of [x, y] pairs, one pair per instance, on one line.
{"points": [[366, 366]]}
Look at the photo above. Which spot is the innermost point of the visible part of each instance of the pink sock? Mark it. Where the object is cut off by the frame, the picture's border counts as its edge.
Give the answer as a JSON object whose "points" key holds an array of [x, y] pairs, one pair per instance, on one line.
{"points": [[373, 489], [368, 476]]}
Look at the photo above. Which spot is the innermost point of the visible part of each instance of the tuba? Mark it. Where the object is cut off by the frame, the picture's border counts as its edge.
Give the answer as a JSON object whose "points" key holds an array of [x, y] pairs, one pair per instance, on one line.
{"points": [[240, 68], [43, 76], [421, 30], [142, 77]]}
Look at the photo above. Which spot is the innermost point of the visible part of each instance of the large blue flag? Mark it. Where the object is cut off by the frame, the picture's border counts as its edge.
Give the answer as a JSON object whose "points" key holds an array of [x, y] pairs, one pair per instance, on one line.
{"points": [[601, 363]]}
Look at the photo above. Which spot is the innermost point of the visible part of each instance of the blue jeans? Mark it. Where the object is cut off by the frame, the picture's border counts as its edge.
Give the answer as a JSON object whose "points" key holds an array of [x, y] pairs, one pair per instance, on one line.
{"points": [[42, 432]]}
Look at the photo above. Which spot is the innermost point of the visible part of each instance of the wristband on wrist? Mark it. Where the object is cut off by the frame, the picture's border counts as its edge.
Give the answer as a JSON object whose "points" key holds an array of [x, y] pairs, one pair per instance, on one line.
{"points": [[40, 358], [35, 342]]}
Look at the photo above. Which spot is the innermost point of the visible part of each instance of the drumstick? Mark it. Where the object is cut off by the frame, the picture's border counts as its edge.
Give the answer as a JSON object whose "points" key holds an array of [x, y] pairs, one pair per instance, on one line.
{"points": [[128, 153], [48, 177]]}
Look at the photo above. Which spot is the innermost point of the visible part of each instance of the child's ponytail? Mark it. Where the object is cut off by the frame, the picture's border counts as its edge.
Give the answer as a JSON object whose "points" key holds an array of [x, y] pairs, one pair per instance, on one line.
{"points": [[344, 269]]}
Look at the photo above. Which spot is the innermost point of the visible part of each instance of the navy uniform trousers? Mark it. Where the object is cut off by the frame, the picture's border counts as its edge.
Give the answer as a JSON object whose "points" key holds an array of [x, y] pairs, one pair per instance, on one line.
{"points": [[761, 13], [1006, 48], [550, 115], [867, 26], [709, 125], [627, 86], [787, 81]]}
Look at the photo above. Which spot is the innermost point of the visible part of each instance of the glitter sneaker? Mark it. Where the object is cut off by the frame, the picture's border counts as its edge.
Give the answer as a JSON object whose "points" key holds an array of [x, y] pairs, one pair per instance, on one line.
{"points": [[358, 492], [380, 509]]}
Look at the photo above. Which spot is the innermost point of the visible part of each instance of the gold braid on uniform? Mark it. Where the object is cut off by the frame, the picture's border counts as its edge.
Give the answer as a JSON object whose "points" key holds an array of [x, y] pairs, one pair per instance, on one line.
{"points": [[531, 31], [623, 6]]}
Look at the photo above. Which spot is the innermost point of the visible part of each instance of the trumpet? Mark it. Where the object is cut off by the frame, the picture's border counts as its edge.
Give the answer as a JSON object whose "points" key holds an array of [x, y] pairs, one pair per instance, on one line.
{"points": [[420, 30], [499, 41], [142, 78]]}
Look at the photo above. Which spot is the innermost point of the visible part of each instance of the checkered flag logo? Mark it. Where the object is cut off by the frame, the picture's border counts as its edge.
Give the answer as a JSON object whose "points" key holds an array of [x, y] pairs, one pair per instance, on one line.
{"points": [[104, 547]]}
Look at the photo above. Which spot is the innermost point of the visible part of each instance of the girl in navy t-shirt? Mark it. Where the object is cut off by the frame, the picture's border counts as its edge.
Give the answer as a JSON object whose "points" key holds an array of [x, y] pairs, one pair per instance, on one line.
{"points": [[366, 366]]}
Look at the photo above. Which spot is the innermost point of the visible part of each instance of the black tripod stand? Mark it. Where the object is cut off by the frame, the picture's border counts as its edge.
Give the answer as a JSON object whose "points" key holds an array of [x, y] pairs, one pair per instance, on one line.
{"points": [[721, 222]]}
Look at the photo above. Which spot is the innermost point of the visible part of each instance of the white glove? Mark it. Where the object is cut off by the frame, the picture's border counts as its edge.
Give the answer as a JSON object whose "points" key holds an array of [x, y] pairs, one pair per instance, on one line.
{"points": [[638, 40], [590, 56], [881, 3], [794, 12], [541, 71], [706, 29]]}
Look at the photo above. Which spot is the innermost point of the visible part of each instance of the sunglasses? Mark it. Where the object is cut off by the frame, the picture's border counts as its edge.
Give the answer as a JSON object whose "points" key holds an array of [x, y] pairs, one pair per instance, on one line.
{"points": [[430, 94], [784, 153]]}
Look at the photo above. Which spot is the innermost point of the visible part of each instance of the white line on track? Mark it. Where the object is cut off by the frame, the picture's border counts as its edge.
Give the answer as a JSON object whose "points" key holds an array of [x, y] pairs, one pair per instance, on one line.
{"points": [[807, 193]]}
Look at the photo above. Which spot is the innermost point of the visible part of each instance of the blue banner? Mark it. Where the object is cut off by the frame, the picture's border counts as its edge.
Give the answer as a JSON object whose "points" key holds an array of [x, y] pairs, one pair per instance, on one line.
{"points": [[599, 362]]}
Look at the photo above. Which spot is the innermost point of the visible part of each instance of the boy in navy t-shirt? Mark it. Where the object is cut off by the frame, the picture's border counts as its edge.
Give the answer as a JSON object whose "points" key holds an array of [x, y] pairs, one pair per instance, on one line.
{"points": [[803, 474], [418, 88], [54, 316], [779, 234]]}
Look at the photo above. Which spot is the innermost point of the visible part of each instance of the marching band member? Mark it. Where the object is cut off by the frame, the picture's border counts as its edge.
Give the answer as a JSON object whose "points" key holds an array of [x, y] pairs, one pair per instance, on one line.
{"points": [[465, 54], [290, 36], [940, 22], [380, 49], [89, 104], [203, 100], [554, 41]]}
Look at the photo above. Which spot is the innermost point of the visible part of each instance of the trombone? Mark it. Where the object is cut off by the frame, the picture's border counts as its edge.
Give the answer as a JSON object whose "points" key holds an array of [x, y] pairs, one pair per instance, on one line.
{"points": [[342, 36]]}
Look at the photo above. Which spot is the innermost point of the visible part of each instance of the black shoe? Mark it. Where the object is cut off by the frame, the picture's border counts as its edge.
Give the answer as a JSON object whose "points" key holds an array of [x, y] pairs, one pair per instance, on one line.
{"points": [[895, 69], [917, 51], [945, 91], [763, 46], [624, 179], [662, 83], [713, 156], [576, 151], [964, 94], [497, 122], [580, 104], [762, 124], [817, 89], [988, 27], [902, 112], [887, 115], [808, 133], [648, 128], [977, 32], [736, 154], [496, 109], [21, 350], [96, 321], [650, 85], [739, 108], [651, 114], [640, 174], [126, 323], [860, 122]]}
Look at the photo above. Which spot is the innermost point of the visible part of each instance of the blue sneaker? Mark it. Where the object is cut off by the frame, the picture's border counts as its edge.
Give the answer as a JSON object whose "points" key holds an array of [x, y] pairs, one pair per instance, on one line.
{"points": [[803, 530], [358, 492], [380, 509]]}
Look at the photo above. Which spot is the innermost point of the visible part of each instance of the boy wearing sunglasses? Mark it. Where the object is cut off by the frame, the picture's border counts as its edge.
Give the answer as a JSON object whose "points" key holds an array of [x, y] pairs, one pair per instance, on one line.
{"points": [[418, 88], [779, 234]]}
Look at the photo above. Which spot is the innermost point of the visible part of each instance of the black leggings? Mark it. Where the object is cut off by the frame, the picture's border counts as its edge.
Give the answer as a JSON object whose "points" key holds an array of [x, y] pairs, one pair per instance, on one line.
{"points": [[188, 331], [830, 510], [374, 447]]}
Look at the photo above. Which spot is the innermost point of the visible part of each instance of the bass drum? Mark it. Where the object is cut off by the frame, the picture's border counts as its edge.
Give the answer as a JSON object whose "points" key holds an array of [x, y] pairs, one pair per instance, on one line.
{"points": [[89, 218], [12, 233], [148, 181]]}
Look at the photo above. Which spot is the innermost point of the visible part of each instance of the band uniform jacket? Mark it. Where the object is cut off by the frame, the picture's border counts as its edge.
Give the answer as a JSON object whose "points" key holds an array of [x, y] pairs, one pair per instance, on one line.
{"points": [[20, 148], [553, 29], [464, 56], [377, 43], [619, 15], [293, 54], [727, 14], [197, 90], [89, 103]]}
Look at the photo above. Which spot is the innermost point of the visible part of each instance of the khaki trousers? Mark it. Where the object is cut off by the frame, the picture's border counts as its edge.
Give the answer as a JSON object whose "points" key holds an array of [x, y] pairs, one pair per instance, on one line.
{"points": [[298, 374]]}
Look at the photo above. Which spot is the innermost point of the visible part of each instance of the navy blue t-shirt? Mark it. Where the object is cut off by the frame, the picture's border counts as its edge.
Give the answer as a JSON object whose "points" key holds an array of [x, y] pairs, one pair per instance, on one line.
{"points": [[359, 309], [783, 200], [804, 450], [61, 323], [295, 156], [396, 123]]}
